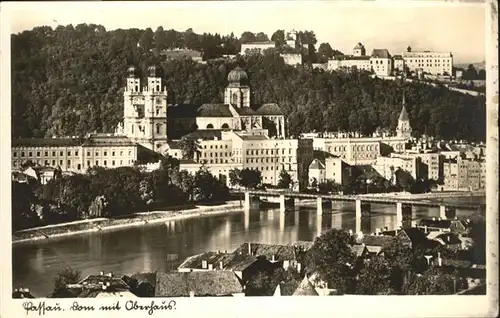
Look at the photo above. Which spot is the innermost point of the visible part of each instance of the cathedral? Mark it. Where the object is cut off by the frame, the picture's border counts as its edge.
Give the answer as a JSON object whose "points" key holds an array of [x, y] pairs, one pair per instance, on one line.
{"points": [[151, 122]]}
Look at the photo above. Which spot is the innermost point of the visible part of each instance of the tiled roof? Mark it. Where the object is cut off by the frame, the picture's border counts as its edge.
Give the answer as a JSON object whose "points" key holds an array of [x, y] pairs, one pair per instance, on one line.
{"points": [[381, 53], [316, 164], [147, 277], [253, 137], [305, 245], [280, 252], [415, 235], [205, 134], [245, 111], [376, 240], [230, 261], [206, 283], [447, 238], [269, 109], [305, 289], [46, 142], [397, 57], [96, 141], [351, 57], [214, 110], [358, 249], [114, 282]]}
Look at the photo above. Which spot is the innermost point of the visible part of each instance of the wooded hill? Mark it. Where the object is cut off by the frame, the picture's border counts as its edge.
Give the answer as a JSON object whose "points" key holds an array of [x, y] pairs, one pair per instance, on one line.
{"points": [[69, 81]]}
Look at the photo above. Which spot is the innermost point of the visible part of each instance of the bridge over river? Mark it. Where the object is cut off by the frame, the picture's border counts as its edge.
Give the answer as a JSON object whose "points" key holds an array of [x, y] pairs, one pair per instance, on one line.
{"points": [[362, 203]]}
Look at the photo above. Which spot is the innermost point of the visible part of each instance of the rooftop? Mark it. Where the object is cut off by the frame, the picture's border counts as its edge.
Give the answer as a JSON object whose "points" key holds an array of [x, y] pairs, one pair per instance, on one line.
{"points": [[230, 261], [316, 164], [305, 289], [205, 134], [206, 283], [269, 109], [280, 252], [214, 110], [381, 53]]}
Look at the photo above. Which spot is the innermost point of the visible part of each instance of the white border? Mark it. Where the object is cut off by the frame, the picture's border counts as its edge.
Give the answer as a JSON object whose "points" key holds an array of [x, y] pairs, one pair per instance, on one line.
{"points": [[383, 306]]}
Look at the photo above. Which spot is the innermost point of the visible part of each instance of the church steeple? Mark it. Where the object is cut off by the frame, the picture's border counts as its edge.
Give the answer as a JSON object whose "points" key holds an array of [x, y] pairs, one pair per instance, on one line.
{"points": [[404, 128]]}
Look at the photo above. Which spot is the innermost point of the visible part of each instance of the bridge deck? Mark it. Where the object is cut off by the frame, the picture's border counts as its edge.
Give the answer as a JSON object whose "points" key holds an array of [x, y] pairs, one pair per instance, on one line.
{"points": [[352, 198]]}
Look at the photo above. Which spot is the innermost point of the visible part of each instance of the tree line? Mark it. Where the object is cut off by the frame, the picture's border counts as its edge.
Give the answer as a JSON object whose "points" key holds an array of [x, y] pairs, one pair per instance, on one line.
{"points": [[69, 81], [111, 193]]}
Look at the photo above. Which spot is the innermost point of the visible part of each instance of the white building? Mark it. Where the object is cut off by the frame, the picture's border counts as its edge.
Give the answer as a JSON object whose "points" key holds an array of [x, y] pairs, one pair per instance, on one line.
{"points": [[379, 62], [430, 62]]}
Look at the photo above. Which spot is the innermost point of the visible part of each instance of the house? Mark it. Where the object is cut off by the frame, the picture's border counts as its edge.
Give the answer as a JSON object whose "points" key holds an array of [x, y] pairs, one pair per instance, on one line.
{"points": [[95, 286], [305, 289], [375, 244], [20, 293], [190, 284], [439, 224], [41, 174], [448, 239], [284, 255], [243, 265], [320, 286], [286, 289], [317, 172], [410, 237], [359, 250]]}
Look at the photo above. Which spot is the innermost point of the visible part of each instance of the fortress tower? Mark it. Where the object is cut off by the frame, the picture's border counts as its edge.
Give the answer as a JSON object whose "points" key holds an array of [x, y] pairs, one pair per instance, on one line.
{"points": [[404, 128]]}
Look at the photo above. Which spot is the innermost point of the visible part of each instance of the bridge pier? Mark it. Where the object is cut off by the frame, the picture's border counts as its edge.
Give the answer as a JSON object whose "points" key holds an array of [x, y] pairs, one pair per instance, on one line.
{"points": [[403, 214], [249, 201], [322, 203], [286, 202], [446, 212], [362, 209]]}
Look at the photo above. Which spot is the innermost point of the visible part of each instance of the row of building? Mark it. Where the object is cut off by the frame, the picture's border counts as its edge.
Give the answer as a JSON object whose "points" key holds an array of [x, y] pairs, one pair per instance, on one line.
{"points": [[383, 64]]}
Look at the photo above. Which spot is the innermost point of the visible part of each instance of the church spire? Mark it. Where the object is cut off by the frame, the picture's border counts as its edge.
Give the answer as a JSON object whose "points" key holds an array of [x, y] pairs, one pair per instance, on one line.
{"points": [[403, 116]]}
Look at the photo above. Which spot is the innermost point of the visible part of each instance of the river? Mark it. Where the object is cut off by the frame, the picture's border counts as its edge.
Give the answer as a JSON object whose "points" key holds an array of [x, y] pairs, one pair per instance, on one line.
{"points": [[145, 248]]}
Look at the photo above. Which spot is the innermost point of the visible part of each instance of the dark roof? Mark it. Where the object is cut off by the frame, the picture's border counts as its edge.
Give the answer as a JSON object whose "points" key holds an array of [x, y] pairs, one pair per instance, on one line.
{"points": [[182, 111], [214, 110], [288, 288], [22, 293], [94, 141], [415, 235], [253, 137], [244, 111], [174, 144], [358, 46], [205, 134], [351, 57], [305, 245], [437, 223], [397, 57], [368, 172], [447, 237], [230, 261], [358, 249], [97, 280], [145, 277], [305, 289], [403, 116], [205, 283], [280, 252], [376, 240], [381, 53], [46, 142], [269, 109]]}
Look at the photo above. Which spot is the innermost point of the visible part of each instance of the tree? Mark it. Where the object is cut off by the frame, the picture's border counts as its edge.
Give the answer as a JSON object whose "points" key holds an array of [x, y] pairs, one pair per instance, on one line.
{"points": [[235, 177], [146, 40], [332, 258], [278, 38], [247, 37], [264, 283], [159, 38], [66, 276], [250, 178], [285, 180], [208, 188], [189, 148], [329, 186], [374, 277], [434, 282], [325, 52]]}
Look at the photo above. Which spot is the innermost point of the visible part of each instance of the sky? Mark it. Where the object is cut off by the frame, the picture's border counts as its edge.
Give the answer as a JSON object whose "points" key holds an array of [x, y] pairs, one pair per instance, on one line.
{"points": [[434, 26]]}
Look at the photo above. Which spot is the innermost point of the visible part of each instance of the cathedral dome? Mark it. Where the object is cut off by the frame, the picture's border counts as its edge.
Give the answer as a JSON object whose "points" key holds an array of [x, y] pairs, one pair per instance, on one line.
{"points": [[154, 71], [132, 71], [237, 76]]}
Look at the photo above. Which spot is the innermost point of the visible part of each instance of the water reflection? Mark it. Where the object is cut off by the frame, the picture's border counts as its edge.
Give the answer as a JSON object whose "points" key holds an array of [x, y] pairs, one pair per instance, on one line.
{"points": [[146, 248]]}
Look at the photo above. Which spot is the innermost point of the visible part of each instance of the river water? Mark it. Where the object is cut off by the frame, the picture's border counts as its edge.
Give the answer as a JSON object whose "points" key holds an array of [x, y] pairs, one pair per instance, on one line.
{"points": [[145, 248]]}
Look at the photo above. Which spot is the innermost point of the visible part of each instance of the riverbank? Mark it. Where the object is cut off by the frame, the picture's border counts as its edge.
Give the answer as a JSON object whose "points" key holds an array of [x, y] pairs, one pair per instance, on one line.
{"points": [[430, 195], [105, 224]]}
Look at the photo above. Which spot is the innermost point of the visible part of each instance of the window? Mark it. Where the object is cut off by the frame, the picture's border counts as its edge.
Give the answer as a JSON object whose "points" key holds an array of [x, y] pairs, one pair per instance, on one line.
{"points": [[61, 153], [22, 153], [79, 166], [113, 163], [88, 163], [105, 163], [38, 153], [14, 154], [121, 153], [97, 162], [69, 162], [105, 153], [60, 162], [97, 153], [69, 153], [88, 153], [158, 127], [53, 162], [46, 153], [76, 153], [46, 162], [113, 153]]}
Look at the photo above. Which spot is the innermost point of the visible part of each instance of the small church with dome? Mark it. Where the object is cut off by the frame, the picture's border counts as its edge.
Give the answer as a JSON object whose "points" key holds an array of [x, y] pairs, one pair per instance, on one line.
{"points": [[150, 121]]}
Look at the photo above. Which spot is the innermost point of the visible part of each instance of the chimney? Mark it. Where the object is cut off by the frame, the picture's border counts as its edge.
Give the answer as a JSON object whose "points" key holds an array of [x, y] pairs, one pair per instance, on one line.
{"points": [[204, 264], [433, 218], [440, 260], [425, 229], [299, 267], [350, 232], [191, 293], [108, 284], [104, 287], [110, 274], [249, 248], [221, 266], [101, 273], [210, 267], [273, 259]]}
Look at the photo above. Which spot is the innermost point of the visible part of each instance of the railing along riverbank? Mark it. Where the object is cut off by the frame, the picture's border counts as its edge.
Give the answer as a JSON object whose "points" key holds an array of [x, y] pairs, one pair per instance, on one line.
{"points": [[136, 219]]}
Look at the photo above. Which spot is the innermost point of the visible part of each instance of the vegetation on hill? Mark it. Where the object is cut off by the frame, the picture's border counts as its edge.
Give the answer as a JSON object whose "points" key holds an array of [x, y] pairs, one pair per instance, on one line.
{"points": [[69, 81]]}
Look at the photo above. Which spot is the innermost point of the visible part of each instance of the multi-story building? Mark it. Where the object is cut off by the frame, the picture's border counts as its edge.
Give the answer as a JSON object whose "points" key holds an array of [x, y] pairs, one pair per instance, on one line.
{"points": [[388, 166], [437, 63], [75, 154], [379, 62], [464, 174], [398, 64]]}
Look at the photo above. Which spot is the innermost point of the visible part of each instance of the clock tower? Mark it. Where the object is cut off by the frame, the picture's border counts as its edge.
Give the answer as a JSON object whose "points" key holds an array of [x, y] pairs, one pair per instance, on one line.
{"points": [[145, 110]]}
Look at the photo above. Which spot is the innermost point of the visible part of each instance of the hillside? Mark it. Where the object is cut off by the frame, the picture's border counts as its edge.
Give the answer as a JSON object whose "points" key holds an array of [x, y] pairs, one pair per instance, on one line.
{"points": [[69, 81], [478, 65]]}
